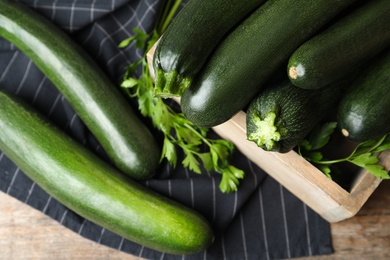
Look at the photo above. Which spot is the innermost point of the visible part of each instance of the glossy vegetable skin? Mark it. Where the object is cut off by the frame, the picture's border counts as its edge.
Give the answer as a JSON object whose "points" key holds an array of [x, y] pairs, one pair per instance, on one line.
{"points": [[364, 110], [240, 66], [343, 47], [191, 37], [283, 114], [94, 189], [98, 102]]}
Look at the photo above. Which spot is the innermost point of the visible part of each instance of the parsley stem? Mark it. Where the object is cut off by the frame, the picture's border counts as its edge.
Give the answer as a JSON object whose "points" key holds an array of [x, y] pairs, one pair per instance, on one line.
{"points": [[378, 143], [205, 140], [170, 16], [330, 161]]}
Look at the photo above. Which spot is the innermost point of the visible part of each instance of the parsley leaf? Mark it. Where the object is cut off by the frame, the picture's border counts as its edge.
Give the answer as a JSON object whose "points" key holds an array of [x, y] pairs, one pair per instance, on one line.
{"points": [[364, 159], [365, 155], [179, 133], [320, 135], [230, 178]]}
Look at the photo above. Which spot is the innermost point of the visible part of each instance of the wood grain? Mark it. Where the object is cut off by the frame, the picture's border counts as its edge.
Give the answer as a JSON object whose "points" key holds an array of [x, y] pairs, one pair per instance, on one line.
{"points": [[26, 233]]}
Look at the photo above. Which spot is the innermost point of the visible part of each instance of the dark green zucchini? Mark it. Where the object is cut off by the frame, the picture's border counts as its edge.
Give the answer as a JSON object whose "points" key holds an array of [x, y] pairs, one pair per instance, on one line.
{"points": [[343, 47], [93, 96], [283, 114], [94, 189], [247, 57], [364, 111], [191, 37]]}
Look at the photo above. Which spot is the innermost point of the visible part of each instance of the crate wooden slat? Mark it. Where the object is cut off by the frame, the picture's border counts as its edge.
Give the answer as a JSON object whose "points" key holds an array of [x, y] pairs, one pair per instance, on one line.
{"points": [[297, 175]]}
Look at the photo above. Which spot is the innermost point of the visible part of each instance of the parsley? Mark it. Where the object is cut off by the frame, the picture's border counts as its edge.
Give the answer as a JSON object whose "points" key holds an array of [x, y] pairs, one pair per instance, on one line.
{"points": [[178, 131], [365, 154]]}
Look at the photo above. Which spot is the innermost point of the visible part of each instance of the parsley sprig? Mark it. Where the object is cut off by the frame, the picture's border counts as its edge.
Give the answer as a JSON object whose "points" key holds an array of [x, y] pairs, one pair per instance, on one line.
{"points": [[364, 155], [178, 131]]}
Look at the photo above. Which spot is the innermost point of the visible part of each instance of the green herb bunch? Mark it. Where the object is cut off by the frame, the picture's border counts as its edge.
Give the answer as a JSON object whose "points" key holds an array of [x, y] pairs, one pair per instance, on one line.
{"points": [[177, 130], [364, 155]]}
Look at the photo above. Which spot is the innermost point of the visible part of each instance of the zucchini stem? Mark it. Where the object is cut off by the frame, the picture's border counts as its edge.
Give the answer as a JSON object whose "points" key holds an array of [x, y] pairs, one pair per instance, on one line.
{"points": [[170, 84], [266, 134]]}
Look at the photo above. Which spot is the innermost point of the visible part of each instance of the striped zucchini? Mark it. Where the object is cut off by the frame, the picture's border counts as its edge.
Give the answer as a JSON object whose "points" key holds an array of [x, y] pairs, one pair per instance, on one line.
{"points": [[95, 190], [93, 96]]}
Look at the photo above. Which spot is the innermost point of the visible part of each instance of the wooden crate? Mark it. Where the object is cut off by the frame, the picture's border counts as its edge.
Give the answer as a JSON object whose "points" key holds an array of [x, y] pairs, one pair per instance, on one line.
{"points": [[301, 178]]}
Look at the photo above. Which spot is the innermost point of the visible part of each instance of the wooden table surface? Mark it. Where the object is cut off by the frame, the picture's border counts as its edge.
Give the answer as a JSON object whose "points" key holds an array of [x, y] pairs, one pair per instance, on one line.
{"points": [[26, 233]]}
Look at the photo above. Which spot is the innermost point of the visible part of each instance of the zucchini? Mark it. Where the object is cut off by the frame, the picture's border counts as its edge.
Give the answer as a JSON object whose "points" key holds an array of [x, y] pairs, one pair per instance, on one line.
{"points": [[98, 102], [343, 47], [191, 37], [244, 61], [364, 110], [94, 189], [282, 115]]}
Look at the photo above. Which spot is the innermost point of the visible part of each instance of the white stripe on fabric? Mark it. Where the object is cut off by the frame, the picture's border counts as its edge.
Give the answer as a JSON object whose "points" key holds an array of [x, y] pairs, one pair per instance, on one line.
{"points": [[121, 243], [214, 189], [81, 227], [69, 123], [63, 216], [307, 229], [162, 256], [168, 167], [92, 10], [223, 247], [68, 8], [25, 75], [74, 117], [54, 8], [30, 191], [9, 65], [13, 180], [254, 173], [54, 104], [191, 187], [235, 204], [47, 204], [264, 225], [39, 89], [243, 236], [141, 251], [187, 173], [101, 235], [192, 193], [71, 18], [285, 220]]}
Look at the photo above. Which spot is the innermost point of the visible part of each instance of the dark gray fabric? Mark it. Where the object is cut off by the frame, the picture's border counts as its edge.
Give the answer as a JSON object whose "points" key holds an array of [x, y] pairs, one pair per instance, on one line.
{"points": [[261, 221]]}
